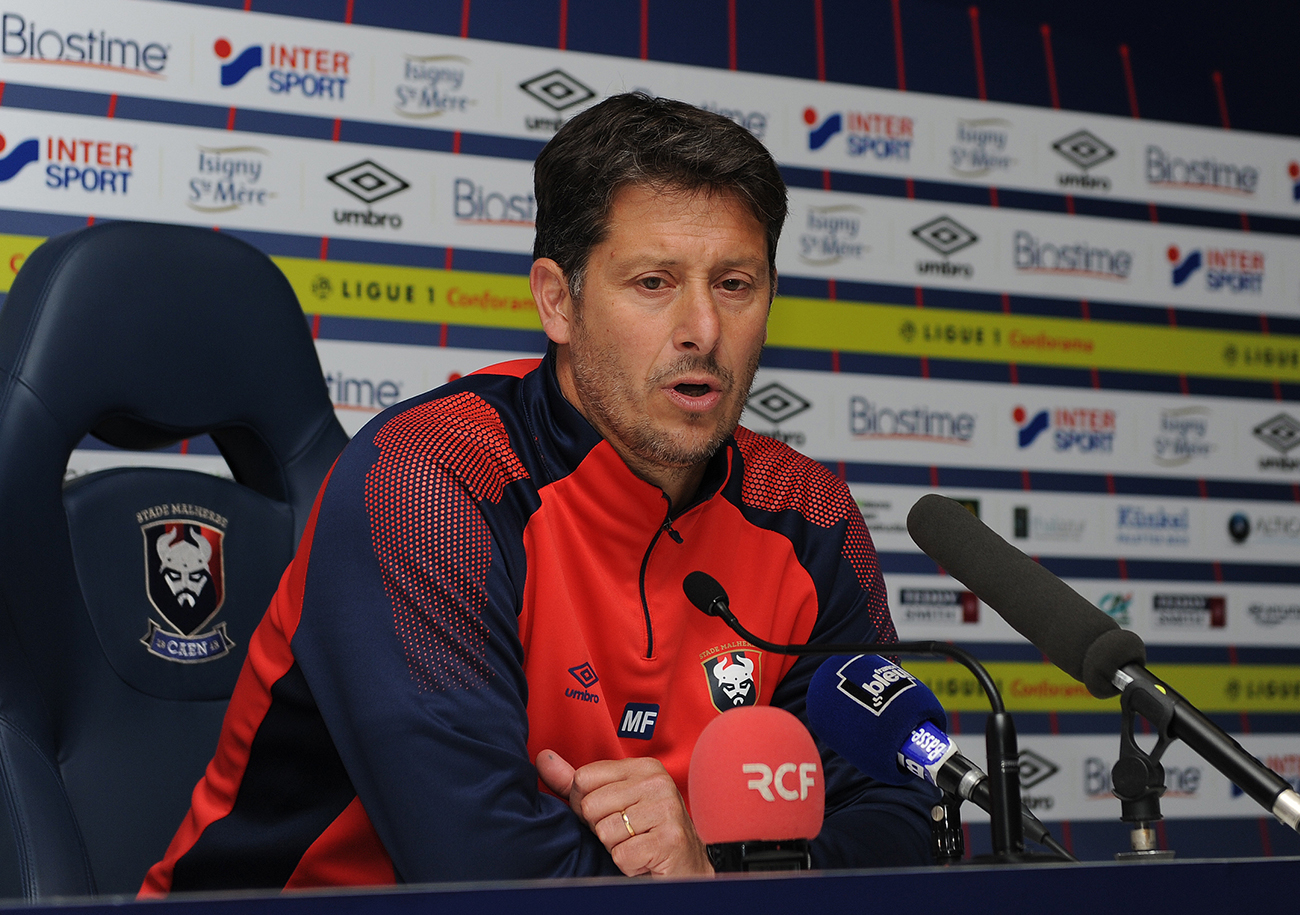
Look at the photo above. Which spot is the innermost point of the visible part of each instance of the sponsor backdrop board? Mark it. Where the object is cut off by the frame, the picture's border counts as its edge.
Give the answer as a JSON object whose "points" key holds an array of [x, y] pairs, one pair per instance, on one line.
{"points": [[1113, 392]]}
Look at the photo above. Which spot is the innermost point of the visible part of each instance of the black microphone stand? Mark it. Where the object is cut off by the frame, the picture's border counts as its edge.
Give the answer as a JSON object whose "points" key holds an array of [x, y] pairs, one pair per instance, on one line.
{"points": [[999, 732]]}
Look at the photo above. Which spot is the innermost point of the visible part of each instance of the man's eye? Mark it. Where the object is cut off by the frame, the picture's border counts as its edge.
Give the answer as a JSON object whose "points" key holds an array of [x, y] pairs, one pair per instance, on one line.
{"points": [[653, 282], [733, 285]]}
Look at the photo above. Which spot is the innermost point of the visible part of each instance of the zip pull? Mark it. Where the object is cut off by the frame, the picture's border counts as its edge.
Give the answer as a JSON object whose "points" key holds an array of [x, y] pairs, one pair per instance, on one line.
{"points": [[667, 526]]}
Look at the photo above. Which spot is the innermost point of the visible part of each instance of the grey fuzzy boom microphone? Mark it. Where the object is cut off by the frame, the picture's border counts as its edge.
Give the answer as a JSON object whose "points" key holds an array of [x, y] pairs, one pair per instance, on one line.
{"points": [[1076, 636], [1080, 639]]}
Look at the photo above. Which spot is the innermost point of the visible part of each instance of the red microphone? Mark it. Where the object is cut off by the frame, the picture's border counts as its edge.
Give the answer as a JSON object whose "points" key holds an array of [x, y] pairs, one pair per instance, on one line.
{"points": [[757, 790]]}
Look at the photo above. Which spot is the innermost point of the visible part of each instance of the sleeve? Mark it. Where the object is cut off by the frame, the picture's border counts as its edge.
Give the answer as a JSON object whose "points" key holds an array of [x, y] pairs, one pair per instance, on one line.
{"points": [[409, 644], [868, 823]]}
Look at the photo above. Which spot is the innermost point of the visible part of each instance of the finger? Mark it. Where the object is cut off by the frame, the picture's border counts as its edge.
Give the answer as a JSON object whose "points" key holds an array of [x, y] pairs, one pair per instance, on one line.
{"points": [[618, 827], [555, 773], [606, 790]]}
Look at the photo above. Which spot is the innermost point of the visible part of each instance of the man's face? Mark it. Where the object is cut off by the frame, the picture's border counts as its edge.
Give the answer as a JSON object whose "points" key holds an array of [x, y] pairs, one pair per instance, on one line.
{"points": [[663, 347]]}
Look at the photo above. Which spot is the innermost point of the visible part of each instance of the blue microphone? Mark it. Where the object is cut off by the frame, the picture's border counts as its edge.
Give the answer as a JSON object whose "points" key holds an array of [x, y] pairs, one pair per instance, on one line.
{"points": [[890, 726]]}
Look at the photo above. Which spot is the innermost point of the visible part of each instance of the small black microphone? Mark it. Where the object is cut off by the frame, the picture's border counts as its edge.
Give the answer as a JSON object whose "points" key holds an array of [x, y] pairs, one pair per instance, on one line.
{"points": [[709, 597]]}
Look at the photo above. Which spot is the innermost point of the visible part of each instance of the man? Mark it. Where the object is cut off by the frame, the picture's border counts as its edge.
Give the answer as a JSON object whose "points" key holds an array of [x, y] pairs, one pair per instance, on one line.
{"points": [[493, 573]]}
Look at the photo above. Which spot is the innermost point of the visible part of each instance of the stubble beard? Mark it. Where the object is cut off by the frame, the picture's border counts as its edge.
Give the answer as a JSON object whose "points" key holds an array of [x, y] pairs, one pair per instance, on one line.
{"points": [[607, 397]]}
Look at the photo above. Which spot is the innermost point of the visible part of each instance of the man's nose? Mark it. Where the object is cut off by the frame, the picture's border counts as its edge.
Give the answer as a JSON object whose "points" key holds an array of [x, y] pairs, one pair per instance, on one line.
{"points": [[698, 327]]}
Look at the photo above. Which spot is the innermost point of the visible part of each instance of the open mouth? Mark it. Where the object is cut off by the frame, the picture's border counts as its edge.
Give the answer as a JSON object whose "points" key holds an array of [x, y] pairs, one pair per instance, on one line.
{"points": [[693, 390]]}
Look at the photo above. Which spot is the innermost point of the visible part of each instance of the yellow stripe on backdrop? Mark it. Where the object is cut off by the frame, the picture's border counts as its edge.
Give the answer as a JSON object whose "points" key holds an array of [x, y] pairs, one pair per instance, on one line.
{"points": [[1027, 686], [428, 294]]}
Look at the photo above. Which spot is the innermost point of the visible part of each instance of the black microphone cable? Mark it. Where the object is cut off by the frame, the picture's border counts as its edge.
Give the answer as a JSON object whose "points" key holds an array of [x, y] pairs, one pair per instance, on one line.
{"points": [[1007, 814]]}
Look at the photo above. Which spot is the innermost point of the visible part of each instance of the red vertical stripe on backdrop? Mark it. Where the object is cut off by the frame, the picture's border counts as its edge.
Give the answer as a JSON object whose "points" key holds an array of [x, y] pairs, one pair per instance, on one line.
{"points": [[841, 471], [185, 446], [1222, 99], [315, 326], [464, 19], [1046, 31], [324, 247], [934, 477], [1217, 78], [832, 293], [442, 334], [979, 52], [347, 14], [2, 93], [645, 29], [112, 105], [835, 361], [1265, 840], [820, 24], [338, 126], [447, 263], [897, 16], [230, 118], [731, 33], [563, 42], [248, 5], [90, 220], [1126, 60], [1024, 480]]}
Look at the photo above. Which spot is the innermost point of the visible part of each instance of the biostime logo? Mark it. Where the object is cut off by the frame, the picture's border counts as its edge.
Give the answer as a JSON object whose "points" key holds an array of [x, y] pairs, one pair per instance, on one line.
{"points": [[870, 420], [1074, 259], [94, 166], [1208, 174], [296, 70], [474, 203], [1234, 270], [870, 134], [1085, 150], [22, 42], [1082, 429]]}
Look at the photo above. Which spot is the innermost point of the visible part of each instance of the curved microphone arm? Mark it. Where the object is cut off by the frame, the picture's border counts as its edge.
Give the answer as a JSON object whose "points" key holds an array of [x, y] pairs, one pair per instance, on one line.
{"points": [[943, 649]]}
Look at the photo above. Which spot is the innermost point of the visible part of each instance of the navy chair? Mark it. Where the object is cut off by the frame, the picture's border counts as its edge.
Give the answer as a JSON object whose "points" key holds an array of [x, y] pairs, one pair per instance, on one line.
{"points": [[127, 596]]}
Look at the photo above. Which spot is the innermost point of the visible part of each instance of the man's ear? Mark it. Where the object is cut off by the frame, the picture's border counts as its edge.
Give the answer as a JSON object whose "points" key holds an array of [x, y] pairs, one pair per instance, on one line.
{"points": [[551, 294]]}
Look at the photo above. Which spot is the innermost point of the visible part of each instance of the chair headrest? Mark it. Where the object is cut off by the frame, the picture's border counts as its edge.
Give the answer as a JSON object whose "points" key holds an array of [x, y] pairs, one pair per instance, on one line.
{"points": [[145, 334]]}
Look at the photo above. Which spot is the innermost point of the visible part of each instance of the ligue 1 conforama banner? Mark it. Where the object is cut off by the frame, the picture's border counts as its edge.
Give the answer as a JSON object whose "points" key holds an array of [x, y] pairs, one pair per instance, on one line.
{"points": [[1167, 503]]}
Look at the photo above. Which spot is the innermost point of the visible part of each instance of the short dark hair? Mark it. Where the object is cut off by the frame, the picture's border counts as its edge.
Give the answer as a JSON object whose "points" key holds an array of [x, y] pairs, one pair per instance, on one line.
{"points": [[633, 139]]}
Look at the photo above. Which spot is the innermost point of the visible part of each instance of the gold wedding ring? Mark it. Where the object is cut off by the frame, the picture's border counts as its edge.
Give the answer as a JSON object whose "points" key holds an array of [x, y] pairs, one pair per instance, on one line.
{"points": [[628, 824]]}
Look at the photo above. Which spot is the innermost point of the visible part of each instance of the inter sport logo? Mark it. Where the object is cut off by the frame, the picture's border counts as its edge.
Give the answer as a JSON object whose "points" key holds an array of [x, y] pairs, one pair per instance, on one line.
{"points": [[317, 73], [26, 152], [820, 134], [248, 60], [1183, 267]]}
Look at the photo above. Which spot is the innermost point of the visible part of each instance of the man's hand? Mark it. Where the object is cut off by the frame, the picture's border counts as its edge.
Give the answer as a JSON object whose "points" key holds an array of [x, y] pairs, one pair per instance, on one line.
{"points": [[657, 836]]}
